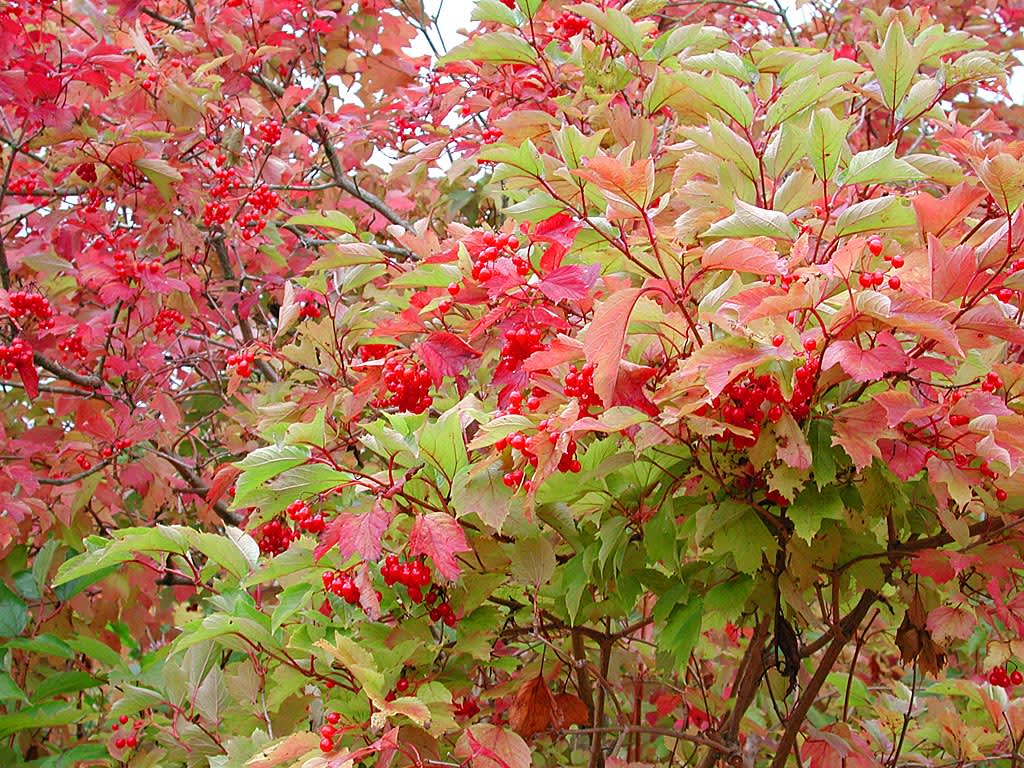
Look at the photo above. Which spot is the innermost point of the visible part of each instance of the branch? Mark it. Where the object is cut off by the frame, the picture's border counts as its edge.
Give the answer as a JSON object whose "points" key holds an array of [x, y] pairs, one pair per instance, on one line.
{"points": [[58, 370], [199, 487], [342, 179], [841, 636]]}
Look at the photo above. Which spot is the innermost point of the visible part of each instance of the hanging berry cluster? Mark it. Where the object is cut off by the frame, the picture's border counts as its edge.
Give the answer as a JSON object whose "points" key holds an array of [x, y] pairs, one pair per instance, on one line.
{"points": [[242, 362], [126, 739], [25, 304], [569, 24], [342, 584], [408, 386], [496, 246], [523, 456], [168, 320], [14, 355], [276, 536], [1003, 679], [309, 307], [579, 383], [415, 576], [328, 731], [269, 131], [72, 348], [305, 518]]}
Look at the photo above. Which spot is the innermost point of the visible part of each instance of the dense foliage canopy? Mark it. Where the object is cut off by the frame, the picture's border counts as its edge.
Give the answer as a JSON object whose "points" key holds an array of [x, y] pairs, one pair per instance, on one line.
{"points": [[632, 384]]}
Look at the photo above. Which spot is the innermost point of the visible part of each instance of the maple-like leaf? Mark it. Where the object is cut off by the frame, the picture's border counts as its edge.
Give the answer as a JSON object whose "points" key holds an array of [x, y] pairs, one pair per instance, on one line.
{"points": [[756, 256], [936, 215], [629, 189], [872, 364], [440, 538], [490, 746], [858, 429], [950, 622], [355, 533], [445, 354], [534, 709], [573, 281], [606, 337]]}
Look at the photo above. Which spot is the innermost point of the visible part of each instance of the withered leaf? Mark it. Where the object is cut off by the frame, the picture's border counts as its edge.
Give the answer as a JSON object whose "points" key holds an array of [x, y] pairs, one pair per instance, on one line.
{"points": [[534, 709]]}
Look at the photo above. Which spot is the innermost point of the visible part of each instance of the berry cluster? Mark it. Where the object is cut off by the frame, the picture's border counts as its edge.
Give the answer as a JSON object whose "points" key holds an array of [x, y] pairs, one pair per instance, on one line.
{"points": [[168, 320], [83, 461], [415, 576], [305, 518], [519, 443], [874, 279], [228, 179], [328, 731], [130, 740], [263, 200], [25, 304], [309, 307], [490, 135], [516, 399], [215, 213], [72, 348], [242, 362], [23, 185], [269, 131], [496, 246], [569, 24], [121, 444], [408, 385], [127, 269], [579, 383], [521, 342], [374, 351], [18, 352], [342, 584], [276, 536], [87, 172], [1000, 677]]}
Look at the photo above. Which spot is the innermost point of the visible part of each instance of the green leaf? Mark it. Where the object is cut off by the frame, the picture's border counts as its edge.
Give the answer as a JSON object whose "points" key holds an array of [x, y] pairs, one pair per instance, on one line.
{"points": [[529, 7], [724, 94], [327, 220], [47, 715], [879, 166], [494, 10], [894, 64], [442, 443], [615, 23], [289, 602], [811, 507], [161, 173], [823, 462], [221, 550], [533, 561], [94, 649], [60, 683], [826, 141], [681, 632], [493, 48], [46, 645], [749, 541], [802, 94], [750, 221], [9, 690], [13, 613], [876, 214], [729, 598], [263, 464]]}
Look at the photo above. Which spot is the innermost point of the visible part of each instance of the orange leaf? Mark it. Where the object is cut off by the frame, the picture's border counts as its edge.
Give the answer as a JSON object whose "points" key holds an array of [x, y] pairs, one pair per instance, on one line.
{"points": [[571, 710], [534, 709]]}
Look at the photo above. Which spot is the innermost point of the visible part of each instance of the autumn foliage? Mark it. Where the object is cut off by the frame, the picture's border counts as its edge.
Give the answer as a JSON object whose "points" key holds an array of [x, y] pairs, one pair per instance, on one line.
{"points": [[631, 384]]}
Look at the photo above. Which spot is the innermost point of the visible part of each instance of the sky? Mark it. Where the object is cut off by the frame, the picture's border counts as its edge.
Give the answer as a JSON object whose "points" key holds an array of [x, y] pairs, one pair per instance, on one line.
{"points": [[455, 17]]}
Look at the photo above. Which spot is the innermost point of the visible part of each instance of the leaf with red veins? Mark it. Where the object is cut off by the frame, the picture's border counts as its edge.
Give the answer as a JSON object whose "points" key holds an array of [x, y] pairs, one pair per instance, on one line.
{"points": [[628, 189], [904, 459], [440, 538], [724, 360], [606, 339], [949, 622], [489, 746], [927, 318], [368, 599], [936, 215], [858, 429], [863, 365], [354, 533], [791, 444], [986, 321], [560, 229], [445, 354], [629, 387], [572, 281], [756, 256], [559, 351]]}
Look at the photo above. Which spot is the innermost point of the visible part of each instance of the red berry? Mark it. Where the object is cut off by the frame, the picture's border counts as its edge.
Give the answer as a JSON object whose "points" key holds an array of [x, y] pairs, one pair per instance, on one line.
{"points": [[333, 717], [327, 731], [120, 743], [402, 685], [895, 283], [778, 340], [1016, 677], [1002, 495], [864, 279], [897, 261], [326, 745], [810, 345], [875, 245], [123, 719], [132, 742]]}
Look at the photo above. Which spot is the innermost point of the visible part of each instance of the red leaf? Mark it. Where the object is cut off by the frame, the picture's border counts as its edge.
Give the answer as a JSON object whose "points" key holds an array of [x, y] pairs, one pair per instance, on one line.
{"points": [[722, 361], [571, 710], [606, 338], [445, 354], [989, 320], [440, 538], [29, 377], [626, 188], [952, 271], [569, 282], [937, 214], [744, 256], [629, 387], [222, 480], [534, 709], [489, 746], [858, 429], [864, 365], [355, 533]]}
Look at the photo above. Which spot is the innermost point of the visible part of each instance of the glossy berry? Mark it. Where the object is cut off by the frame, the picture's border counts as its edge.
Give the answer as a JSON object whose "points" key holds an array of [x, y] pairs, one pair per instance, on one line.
{"points": [[778, 340], [402, 685], [875, 245], [1002, 495], [333, 718], [326, 745], [1016, 677], [895, 283], [897, 261], [408, 386]]}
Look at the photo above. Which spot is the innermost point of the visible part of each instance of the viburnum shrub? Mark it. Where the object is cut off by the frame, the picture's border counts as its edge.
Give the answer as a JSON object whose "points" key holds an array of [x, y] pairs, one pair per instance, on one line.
{"points": [[632, 384]]}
